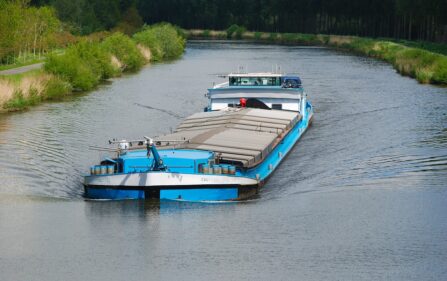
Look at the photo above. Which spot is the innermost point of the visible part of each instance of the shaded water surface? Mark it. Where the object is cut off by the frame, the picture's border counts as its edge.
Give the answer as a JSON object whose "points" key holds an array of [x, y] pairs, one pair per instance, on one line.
{"points": [[363, 196]]}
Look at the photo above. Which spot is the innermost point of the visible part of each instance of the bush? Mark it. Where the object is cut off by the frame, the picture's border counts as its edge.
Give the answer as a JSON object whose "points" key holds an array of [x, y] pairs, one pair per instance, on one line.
{"points": [[149, 39], [273, 36], [206, 33], [440, 71], [288, 37], [56, 87], [163, 40], [83, 65], [33, 97], [232, 29], [125, 49], [72, 68], [258, 35], [240, 31]]}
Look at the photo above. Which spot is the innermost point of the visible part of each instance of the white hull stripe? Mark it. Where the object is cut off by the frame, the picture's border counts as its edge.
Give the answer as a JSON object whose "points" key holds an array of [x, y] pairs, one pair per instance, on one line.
{"points": [[163, 179]]}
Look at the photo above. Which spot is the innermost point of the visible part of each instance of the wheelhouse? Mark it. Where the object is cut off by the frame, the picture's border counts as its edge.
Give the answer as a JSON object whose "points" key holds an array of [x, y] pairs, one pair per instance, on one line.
{"points": [[260, 90]]}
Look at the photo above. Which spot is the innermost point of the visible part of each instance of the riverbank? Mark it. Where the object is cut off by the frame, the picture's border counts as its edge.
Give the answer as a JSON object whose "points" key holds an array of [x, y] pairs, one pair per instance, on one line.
{"points": [[425, 66], [86, 64]]}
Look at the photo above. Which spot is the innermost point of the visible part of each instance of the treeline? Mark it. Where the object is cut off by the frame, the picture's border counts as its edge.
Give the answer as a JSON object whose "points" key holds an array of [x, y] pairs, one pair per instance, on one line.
{"points": [[400, 19]]}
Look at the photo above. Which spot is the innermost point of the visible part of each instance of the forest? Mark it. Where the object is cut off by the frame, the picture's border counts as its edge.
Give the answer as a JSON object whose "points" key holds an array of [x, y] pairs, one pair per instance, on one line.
{"points": [[400, 19], [32, 27]]}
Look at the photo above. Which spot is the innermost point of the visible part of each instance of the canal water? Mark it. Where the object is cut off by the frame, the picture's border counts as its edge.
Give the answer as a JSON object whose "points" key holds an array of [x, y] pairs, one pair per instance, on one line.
{"points": [[363, 196]]}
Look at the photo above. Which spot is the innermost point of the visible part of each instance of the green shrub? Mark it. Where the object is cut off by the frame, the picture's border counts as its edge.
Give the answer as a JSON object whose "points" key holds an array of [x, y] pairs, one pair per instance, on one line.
{"points": [[72, 68], [206, 33], [56, 87], [239, 32], [98, 59], [125, 49], [273, 36], [83, 65], [232, 29], [149, 39], [440, 71], [258, 35], [308, 39], [163, 40], [288, 37], [33, 97], [180, 31]]}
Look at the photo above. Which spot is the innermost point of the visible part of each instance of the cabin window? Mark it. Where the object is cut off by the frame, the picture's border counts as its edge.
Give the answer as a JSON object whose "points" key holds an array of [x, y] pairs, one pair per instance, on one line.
{"points": [[255, 81], [277, 106]]}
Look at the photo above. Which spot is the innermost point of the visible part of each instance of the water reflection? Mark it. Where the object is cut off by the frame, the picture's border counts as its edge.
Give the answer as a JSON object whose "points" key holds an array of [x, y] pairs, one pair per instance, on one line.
{"points": [[151, 208]]}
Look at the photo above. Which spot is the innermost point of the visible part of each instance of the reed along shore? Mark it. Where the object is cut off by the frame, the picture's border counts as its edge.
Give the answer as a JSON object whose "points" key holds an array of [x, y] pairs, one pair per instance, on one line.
{"points": [[427, 63]]}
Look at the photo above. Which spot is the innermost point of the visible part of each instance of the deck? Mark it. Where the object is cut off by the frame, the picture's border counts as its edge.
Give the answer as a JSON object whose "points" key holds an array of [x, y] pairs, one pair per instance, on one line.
{"points": [[242, 136]]}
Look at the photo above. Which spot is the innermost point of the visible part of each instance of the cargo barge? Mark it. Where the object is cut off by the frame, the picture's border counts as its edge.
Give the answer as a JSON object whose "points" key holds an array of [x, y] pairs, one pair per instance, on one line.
{"points": [[225, 153]]}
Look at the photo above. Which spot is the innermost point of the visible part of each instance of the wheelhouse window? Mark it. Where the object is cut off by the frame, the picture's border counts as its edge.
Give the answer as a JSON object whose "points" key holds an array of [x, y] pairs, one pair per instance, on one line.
{"points": [[277, 106], [255, 81]]}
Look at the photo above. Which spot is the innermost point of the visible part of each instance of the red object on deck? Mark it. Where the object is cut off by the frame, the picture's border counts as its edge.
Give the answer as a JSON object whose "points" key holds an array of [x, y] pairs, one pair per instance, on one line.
{"points": [[243, 102]]}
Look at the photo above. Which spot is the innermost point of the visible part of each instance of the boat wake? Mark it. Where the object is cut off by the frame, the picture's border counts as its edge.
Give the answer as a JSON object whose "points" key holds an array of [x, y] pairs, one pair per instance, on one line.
{"points": [[173, 114]]}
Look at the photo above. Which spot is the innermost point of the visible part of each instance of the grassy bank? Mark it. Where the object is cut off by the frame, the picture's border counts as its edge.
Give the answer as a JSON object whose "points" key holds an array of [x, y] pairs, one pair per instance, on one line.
{"points": [[87, 63], [425, 62]]}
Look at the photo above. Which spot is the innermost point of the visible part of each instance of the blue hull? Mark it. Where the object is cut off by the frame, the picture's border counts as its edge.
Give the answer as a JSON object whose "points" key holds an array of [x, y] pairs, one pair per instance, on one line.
{"points": [[199, 194]]}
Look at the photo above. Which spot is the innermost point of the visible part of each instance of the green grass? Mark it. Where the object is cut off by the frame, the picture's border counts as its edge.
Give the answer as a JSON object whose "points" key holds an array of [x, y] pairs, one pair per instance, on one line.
{"points": [[16, 78]]}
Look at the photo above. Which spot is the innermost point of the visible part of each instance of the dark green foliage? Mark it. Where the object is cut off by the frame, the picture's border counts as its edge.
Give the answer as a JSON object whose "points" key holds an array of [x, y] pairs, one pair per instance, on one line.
{"points": [[400, 19], [125, 49]]}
